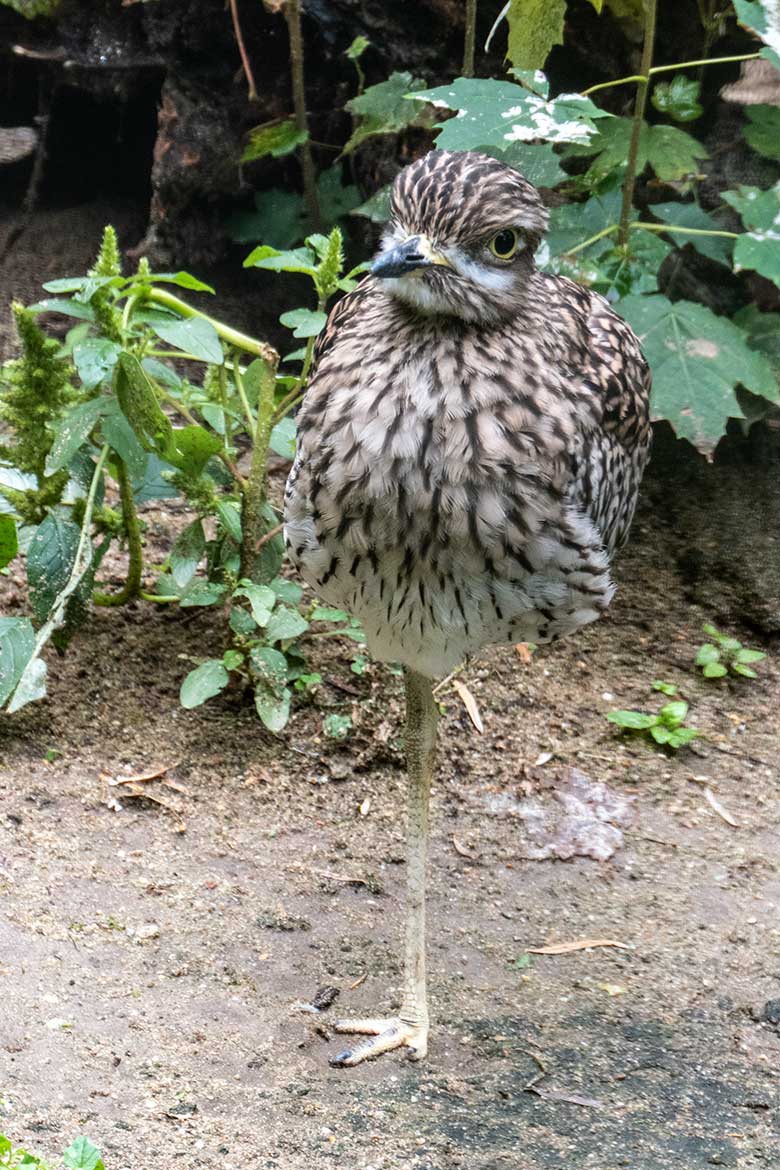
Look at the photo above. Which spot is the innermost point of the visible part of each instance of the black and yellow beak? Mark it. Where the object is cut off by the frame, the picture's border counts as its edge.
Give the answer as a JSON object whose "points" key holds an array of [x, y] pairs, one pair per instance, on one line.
{"points": [[412, 255]]}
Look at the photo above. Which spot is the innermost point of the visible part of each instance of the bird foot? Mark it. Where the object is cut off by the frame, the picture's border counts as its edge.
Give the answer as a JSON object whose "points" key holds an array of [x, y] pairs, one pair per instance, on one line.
{"points": [[383, 1035]]}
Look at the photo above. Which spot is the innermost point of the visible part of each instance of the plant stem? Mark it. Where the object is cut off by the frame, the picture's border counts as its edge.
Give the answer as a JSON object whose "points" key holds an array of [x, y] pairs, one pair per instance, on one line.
{"points": [[255, 490], [239, 381], [242, 51], [607, 231], [292, 14], [683, 231], [668, 69], [132, 586], [638, 120], [232, 336], [470, 38]]}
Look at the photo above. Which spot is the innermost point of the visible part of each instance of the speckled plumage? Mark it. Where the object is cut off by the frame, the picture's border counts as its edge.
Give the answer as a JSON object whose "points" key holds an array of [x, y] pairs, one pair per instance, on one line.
{"points": [[473, 436]]}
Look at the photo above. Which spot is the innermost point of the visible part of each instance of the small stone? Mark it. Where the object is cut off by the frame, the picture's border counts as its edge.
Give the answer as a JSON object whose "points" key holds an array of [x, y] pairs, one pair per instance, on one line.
{"points": [[771, 1011]]}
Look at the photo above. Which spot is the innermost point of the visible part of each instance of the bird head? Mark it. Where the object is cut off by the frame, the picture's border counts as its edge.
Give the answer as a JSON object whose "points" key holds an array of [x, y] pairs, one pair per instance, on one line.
{"points": [[461, 238]]}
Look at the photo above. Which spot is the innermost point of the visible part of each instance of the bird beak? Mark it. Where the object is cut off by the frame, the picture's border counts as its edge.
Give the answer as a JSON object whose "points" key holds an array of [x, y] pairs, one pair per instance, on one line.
{"points": [[413, 254]]}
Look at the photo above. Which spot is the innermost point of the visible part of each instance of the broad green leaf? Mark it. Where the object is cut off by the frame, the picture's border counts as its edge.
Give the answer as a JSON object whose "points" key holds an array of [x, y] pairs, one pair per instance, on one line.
{"points": [[763, 18], [660, 733], [498, 113], [674, 712], [620, 271], [94, 360], [573, 223], [261, 598], [759, 247], [282, 440], [65, 284], [229, 513], [139, 404], [289, 591], [162, 373], [296, 260], [745, 655], [9, 543], [633, 720], [30, 687], [187, 553], [536, 162], [357, 48], [678, 98], [273, 709], [270, 665], [193, 335], [690, 215], [697, 359], [714, 670], [17, 642], [275, 138], [707, 653], [202, 593], [377, 208], [182, 279], [82, 1155], [68, 308], [383, 109], [150, 485], [120, 436], [534, 27], [304, 322], [72, 430], [191, 447], [203, 683], [327, 613], [334, 197], [50, 559], [682, 736], [241, 622], [763, 133], [285, 624], [763, 334], [232, 659], [671, 153]]}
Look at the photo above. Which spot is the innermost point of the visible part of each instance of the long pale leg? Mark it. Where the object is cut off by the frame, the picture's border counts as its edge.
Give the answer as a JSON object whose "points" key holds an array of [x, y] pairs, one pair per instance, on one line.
{"points": [[409, 1029]]}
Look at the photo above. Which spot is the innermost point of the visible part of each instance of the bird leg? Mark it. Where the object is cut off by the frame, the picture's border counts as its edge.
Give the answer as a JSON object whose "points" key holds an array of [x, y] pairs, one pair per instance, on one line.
{"points": [[409, 1029]]}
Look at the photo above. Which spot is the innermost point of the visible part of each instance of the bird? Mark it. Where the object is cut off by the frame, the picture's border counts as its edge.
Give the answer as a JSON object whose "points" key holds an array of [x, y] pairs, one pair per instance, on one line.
{"points": [[469, 451]]}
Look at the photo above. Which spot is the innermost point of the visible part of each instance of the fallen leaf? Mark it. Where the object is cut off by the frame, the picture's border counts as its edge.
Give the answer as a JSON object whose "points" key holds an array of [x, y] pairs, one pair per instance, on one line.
{"points": [[722, 812], [141, 777], [581, 944], [470, 703], [523, 653], [612, 988]]}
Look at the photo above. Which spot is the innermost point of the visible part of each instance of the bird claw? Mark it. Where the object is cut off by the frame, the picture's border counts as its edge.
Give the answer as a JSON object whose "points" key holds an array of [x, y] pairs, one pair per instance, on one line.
{"points": [[383, 1035]]}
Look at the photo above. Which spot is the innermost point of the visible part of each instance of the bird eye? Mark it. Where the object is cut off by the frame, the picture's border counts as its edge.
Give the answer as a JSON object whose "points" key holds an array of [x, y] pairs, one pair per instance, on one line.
{"points": [[504, 244]]}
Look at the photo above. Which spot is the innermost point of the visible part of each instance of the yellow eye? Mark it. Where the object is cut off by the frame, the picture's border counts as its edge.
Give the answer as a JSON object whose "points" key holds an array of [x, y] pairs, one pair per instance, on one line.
{"points": [[504, 244]]}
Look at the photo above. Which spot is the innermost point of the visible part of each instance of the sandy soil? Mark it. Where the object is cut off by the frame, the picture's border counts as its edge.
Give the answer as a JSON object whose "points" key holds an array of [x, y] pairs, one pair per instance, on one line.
{"points": [[153, 960]]}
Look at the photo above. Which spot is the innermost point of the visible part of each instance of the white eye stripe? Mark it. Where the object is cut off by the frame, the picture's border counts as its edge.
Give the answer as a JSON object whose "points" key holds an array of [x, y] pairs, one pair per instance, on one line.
{"points": [[481, 274]]}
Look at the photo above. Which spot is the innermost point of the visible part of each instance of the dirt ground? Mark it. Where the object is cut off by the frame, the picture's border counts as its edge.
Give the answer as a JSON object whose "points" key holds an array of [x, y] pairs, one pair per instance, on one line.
{"points": [[153, 959]]}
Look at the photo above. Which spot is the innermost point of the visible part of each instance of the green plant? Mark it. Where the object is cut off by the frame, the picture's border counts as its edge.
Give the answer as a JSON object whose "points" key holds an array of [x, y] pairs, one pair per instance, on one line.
{"points": [[80, 1155], [103, 411], [723, 655], [665, 728]]}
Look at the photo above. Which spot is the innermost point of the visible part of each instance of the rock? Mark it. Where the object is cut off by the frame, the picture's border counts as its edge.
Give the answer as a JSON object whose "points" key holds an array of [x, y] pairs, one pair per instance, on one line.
{"points": [[770, 1012]]}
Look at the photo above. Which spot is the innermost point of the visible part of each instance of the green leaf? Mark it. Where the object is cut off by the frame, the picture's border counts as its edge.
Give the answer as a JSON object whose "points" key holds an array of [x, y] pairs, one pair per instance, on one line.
{"points": [[759, 247], [534, 27], [282, 440], [120, 436], [377, 208], [193, 335], [697, 359], [499, 113], [68, 308], [191, 447], [674, 713], [745, 655], [232, 659], [714, 670], [763, 18], [285, 624], [150, 485], [383, 109], [9, 543], [162, 373], [273, 709], [202, 683], [661, 734], [182, 279], [296, 260], [94, 360], [357, 48], [187, 553], [304, 322], [671, 153], [202, 593], [261, 598], [326, 613], [268, 562], [242, 622], [573, 223], [139, 404], [275, 138], [271, 666], [229, 514], [71, 431], [50, 559], [272, 697], [763, 132], [690, 215], [537, 162], [337, 727], [678, 98], [739, 668], [664, 687], [707, 653], [681, 736], [17, 643], [82, 1155], [763, 334], [289, 591], [633, 720]]}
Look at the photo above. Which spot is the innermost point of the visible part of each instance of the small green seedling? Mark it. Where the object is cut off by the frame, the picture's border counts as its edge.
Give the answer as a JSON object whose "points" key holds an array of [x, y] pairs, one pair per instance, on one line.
{"points": [[724, 655], [665, 728], [337, 727], [521, 963], [664, 687], [80, 1155]]}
